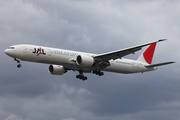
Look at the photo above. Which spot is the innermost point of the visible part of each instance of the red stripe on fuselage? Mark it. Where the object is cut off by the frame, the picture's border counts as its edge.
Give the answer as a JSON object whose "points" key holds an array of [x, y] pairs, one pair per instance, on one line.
{"points": [[40, 50]]}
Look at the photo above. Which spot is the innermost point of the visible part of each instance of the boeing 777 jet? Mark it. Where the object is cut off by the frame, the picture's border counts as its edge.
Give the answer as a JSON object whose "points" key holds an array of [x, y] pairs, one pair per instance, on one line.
{"points": [[61, 60]]}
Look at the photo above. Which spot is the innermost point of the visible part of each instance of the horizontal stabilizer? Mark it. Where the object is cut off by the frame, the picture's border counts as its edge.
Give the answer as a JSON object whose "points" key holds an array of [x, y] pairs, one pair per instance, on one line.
{"points": [[159, 64]]}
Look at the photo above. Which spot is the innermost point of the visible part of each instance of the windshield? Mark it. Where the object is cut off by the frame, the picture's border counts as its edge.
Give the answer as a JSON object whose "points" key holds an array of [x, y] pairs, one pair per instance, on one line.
{"points": [[11, 47]]}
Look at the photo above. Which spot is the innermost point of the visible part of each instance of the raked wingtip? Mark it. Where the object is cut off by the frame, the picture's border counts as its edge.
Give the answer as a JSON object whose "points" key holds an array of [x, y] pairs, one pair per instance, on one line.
{"points": [[160, 40]]}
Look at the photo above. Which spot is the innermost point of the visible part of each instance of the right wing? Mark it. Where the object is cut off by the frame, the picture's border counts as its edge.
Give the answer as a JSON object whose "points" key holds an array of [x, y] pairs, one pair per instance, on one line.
{"points": [[121, 53]]}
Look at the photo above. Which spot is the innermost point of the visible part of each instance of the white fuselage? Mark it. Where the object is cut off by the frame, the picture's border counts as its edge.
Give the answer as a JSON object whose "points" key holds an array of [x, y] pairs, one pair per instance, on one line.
{"points": [[67, 58]]}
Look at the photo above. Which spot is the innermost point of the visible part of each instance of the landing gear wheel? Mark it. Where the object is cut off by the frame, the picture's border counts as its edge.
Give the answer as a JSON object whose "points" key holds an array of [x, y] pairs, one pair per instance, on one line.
{"points": [[19, 65], [81, 76], [84, 78], [101, 74], [77, 76], [97, 72]]}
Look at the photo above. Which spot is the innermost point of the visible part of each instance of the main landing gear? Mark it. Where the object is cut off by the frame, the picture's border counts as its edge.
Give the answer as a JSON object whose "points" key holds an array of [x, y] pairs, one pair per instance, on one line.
{"points": [[81, 76], [18, 61], [97, 72]]}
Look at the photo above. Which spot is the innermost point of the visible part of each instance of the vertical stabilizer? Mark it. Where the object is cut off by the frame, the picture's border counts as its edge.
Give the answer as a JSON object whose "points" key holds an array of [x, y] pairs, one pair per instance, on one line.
{"points": [[147, 56]]}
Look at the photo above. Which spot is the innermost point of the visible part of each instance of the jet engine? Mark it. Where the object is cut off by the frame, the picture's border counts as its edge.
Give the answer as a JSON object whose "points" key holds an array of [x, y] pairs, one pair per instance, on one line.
{"points": [[84, 60], [56, 69]]}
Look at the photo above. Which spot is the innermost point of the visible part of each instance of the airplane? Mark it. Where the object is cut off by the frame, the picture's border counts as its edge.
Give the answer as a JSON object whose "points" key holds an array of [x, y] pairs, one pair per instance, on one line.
{"points": [[61, 61]]}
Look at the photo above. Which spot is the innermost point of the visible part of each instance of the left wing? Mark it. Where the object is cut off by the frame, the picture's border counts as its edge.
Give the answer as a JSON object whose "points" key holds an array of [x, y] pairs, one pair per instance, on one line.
{"points": [[121, 53]]}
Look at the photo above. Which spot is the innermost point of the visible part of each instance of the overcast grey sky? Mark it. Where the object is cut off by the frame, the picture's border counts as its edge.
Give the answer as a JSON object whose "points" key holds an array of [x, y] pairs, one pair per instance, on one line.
{"points": [[95, 26]]}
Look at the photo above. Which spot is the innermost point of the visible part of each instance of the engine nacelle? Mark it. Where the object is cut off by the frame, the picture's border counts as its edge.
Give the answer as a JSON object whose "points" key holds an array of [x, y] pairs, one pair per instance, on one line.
{"points": [[56, 69], [84, 60]]}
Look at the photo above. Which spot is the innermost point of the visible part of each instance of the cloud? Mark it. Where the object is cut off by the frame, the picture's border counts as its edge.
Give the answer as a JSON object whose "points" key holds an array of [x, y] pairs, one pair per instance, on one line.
{"points": [[31, 93], [13, 117], [68, 119]]}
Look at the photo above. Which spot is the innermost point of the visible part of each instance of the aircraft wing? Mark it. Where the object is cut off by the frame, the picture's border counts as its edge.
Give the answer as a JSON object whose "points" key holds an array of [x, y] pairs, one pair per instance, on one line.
{"points": [[121, 53]]}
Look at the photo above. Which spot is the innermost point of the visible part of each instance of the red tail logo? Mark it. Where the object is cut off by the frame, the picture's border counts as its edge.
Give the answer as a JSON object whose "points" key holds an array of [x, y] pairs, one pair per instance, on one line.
{"points": [[148, 54]]}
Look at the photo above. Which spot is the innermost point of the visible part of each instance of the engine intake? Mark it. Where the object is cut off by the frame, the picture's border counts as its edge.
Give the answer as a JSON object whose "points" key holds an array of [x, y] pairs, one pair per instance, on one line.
{"points": [[84, 60], [56, 69]]}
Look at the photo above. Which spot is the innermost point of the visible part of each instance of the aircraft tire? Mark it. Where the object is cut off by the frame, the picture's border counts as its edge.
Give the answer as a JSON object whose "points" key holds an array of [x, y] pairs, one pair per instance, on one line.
{"points": [[19, 65]]}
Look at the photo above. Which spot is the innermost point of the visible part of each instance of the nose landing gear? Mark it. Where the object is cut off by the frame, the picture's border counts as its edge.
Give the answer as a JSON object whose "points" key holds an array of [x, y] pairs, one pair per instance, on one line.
{"points": [[18, 61]]}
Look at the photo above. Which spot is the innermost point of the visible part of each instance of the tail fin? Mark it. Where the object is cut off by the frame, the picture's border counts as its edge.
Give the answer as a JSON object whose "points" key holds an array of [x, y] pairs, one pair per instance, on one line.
{"points": [[147, 56]]}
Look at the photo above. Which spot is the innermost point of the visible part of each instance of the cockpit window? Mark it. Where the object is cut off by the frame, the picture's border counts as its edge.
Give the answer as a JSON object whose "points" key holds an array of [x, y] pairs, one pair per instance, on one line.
{"points": [[11, 47]]}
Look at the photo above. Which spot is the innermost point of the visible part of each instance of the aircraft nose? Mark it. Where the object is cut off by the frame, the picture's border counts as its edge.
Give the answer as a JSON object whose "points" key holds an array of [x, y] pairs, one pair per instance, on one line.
{"points": [[9, 52], [6, 51]]}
